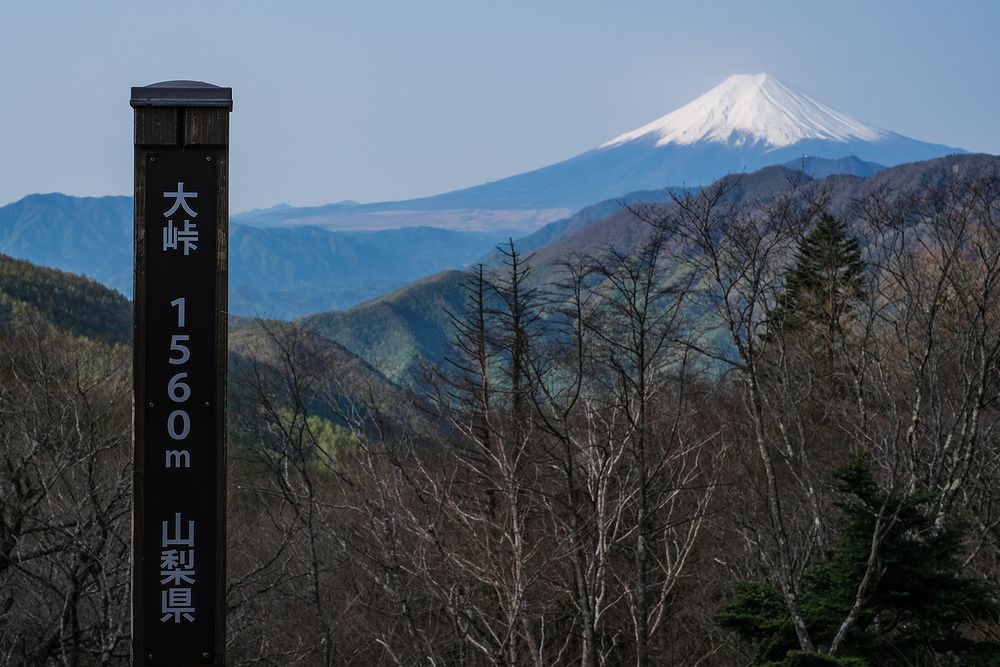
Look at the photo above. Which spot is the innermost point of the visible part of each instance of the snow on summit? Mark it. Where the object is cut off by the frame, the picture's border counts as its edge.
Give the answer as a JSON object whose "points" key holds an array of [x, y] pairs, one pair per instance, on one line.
{"points": [[752, 108], [745, 123]]}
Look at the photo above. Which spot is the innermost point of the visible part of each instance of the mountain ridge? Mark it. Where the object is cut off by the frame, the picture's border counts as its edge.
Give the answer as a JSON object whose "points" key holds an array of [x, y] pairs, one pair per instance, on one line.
{"points": [[72, 303], [398, 333], [274, 272], [743, 124]]}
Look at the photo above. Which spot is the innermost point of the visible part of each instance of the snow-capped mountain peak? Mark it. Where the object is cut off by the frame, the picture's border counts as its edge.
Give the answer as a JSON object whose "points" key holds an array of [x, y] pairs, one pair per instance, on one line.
{"points": [[753, 108]]}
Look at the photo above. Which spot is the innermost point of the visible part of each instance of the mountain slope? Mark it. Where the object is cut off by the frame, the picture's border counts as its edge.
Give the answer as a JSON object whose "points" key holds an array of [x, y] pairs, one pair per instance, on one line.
{"points": [[817, 167], [400, 331], [289, 272], [747, 122], [814, 167], [515, 220], [380, 331], [91, 236], [263, 355], [72, 303], [624, 231], [284, 272], [753, 108]]}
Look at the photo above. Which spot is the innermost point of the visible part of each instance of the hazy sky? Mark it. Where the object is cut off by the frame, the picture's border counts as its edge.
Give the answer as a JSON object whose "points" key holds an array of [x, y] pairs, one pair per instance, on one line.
{"points": [[386, 100]]}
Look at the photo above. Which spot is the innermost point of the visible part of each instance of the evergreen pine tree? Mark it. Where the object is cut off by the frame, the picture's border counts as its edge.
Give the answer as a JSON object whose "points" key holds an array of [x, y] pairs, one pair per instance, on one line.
{"points": [[915, 612], [828, 277]]}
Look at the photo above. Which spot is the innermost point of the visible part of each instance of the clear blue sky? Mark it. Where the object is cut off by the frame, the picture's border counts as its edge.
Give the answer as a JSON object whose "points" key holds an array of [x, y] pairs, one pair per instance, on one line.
{"points": [[384, 100]]}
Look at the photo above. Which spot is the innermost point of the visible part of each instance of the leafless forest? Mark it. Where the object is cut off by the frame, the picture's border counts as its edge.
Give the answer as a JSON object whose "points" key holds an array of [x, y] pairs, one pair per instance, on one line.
{"points": [[762, 435]]}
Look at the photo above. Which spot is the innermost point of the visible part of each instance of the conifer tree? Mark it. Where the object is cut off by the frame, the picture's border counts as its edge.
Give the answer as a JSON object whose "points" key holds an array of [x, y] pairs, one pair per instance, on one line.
{"points": [[828, 277], [916, 610]]}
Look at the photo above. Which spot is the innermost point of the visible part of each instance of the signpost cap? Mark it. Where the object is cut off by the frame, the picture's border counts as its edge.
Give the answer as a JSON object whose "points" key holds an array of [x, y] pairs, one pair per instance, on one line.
{"points": [[182, 94]]}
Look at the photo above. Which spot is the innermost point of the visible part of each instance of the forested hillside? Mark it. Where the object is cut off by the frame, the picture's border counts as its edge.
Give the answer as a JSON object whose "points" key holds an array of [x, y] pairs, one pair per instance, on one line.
{"points": [[281, 272], [762, 432], [401, 331], [75, 304], [398, 346]]}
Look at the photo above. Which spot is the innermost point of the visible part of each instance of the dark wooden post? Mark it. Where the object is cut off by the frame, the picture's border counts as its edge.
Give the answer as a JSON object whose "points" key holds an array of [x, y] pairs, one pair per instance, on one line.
{"points": [[179, 364]]}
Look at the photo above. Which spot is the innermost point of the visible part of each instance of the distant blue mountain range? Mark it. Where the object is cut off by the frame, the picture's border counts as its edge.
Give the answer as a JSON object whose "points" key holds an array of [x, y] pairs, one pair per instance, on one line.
{"points": [[275, 272], [287, 261]]}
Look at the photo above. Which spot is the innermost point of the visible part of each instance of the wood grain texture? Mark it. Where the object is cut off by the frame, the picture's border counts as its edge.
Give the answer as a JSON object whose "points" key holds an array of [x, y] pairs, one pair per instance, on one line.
{"points": [[156, 126], [206, 127]]}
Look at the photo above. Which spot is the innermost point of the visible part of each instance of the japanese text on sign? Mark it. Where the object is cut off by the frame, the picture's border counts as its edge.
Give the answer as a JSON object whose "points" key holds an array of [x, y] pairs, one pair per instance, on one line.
{"points": [[173, 235], [181, 429]]}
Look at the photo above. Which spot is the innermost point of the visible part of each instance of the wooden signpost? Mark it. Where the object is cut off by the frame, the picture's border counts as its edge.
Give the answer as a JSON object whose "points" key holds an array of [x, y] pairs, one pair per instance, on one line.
{"points": [[180, 341]]}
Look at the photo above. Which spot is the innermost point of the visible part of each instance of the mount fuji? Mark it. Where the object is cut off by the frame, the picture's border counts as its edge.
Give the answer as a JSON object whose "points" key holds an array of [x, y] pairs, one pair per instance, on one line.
{"points": [[746, 122]]}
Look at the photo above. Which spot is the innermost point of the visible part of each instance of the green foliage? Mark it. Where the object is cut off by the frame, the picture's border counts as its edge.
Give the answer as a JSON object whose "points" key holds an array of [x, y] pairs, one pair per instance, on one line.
{"points": [[332, 440], [757, 613], [914, 611], [828, 277], [400, 331], [71, 303]]}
